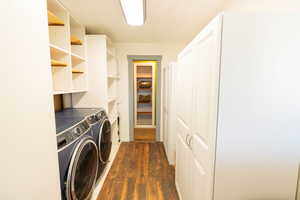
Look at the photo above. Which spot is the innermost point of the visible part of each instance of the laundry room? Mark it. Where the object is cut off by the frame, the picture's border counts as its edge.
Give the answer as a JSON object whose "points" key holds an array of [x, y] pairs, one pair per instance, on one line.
{"points": [[150, 100]]}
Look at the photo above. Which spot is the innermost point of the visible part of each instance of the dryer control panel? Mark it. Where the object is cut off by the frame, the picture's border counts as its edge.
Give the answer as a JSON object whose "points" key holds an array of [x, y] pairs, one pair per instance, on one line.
{"points": [[94, 118], [72, 134], [101, 115]]}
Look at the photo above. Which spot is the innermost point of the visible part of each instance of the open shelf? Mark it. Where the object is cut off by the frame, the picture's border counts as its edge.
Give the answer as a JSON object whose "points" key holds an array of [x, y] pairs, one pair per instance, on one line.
{"points": [[113, 77], [145, 89], [77, 58], [57, 50], [144, 94], [144, 121], [53, 20], [144, 112], [77, 71], [141, 103], [75, 40], [67, 91], [145, 77], [67, 50], [56, 63]]}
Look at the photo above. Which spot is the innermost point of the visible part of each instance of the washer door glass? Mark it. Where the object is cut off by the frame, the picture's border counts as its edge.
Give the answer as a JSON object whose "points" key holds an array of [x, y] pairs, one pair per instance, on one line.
{"points": [[105, 141], [84, 171]]}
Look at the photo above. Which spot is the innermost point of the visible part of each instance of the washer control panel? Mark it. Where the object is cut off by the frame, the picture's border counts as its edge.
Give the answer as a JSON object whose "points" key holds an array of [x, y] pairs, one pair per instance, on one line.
{"points": [[67, 137]]}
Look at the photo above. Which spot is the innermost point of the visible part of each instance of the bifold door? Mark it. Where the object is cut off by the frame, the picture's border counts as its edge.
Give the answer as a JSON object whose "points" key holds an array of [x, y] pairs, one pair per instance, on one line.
{"points": [[198, 79]]}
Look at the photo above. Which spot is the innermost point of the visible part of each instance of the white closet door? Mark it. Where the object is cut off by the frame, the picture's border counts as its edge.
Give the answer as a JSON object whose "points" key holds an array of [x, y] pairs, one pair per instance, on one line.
{"points": [[183, 123], [165, 109], [205, 89], [198, 186], [171, 117], [197, 87], [182, 162], [184, 92]]}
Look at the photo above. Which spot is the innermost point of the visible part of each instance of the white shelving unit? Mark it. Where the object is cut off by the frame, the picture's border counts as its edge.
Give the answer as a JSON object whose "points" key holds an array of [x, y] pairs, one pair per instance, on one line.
{"points": [[103, 79], [112, 87], [68, 58]]}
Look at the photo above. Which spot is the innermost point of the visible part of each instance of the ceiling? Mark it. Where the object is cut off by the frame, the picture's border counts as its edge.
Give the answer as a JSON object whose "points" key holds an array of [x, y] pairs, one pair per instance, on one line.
{"points": [[167, 21]]}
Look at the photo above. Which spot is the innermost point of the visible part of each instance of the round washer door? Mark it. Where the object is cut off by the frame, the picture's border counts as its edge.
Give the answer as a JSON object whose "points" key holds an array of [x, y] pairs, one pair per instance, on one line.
{"points": [[82, 171], [104, 142]]}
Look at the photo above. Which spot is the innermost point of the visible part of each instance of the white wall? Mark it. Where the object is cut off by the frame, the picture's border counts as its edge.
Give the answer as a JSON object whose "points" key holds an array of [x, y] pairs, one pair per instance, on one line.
{"points": [[258, 108], [169, 53], [28, 157], [262, 5]]}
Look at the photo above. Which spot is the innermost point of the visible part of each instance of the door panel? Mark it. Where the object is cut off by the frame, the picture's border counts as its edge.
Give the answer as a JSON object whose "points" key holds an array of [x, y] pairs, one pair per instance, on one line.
{"points": [[166, 131], [184, 77], [182, 129], [170, 108], [165, 110], [182, 168], [198, 178], [205, 89], [205, 105]]}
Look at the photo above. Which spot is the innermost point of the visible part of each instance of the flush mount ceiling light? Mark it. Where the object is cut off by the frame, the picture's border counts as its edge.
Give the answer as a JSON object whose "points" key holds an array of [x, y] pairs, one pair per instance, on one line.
{"points": [[134, 11]]}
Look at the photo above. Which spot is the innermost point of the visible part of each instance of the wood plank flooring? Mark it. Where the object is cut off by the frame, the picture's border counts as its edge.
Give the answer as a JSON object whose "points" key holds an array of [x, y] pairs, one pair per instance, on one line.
{"points": [[140, 171], [144, 134]]}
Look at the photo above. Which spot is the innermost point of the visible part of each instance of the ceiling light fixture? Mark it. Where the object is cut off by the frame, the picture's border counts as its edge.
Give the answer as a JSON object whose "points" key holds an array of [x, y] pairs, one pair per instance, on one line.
{"points": [[134, 11]]}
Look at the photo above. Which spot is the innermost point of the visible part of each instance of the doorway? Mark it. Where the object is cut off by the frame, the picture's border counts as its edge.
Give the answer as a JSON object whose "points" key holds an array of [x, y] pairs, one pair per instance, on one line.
{"points": [[144, 100], [144, 97]]}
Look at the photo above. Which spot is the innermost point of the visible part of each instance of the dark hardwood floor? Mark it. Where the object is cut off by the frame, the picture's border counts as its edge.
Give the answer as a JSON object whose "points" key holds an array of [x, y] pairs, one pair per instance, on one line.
{"points": [[140, 171]]}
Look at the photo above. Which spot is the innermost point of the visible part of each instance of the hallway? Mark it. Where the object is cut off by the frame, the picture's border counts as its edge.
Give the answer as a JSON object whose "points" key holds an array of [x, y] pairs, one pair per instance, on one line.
{"points": [[140, 171]]}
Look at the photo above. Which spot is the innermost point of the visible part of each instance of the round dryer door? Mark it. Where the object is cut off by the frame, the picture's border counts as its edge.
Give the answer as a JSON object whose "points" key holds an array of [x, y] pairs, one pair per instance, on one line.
{"points": [[104, 142], [83, 169]]}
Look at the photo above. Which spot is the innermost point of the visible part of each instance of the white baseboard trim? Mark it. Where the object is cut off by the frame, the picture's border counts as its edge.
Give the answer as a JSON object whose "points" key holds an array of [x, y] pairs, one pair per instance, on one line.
{"points": [[178, 191]]}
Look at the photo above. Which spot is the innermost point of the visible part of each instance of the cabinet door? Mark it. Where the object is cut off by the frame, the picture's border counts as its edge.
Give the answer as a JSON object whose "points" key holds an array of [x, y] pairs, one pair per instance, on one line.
{"points": [[165, 109], [191, 179], [205, 90], [199, 188], [182, 162], [171, 110], [184, 87], [197, 86]]}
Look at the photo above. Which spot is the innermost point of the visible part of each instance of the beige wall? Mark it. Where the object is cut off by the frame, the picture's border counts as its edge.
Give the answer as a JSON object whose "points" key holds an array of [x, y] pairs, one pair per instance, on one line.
{"points": [[169, 53], [262, 5], [28, 157]]}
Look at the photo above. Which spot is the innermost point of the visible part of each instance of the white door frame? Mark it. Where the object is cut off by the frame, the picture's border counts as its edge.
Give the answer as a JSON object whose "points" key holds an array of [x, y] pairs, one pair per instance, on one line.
{"points": [[131, 59]]}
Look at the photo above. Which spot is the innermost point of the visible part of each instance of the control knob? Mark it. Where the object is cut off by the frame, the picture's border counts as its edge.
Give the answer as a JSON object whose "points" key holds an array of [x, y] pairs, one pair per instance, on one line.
{"points": [[77, 131]]}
